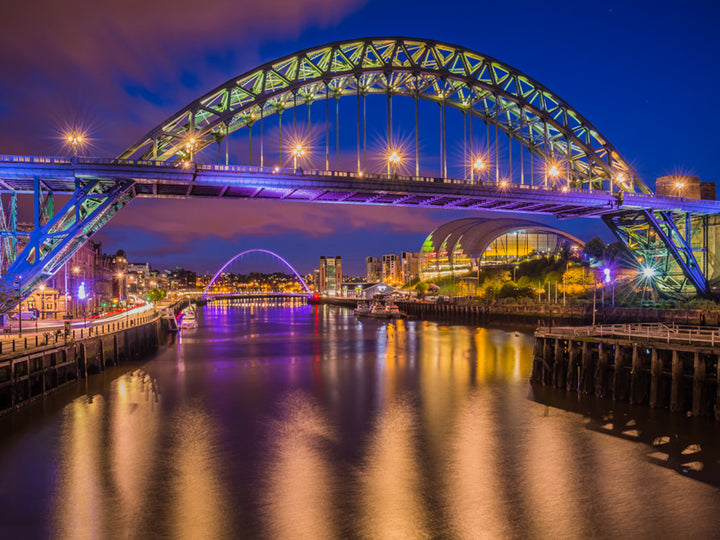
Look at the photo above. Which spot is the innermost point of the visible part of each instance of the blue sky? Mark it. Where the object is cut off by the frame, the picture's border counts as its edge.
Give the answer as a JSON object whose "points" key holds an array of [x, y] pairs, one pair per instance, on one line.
{"points": [[644, 73]]}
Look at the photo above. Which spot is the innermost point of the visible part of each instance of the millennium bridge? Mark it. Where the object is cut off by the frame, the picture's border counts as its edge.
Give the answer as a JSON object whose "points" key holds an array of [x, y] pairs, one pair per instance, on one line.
{"points": [[523, 150]]}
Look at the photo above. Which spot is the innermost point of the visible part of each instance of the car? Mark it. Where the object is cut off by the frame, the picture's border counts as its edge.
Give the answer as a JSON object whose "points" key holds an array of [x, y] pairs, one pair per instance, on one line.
{"points": [[24, 315]]}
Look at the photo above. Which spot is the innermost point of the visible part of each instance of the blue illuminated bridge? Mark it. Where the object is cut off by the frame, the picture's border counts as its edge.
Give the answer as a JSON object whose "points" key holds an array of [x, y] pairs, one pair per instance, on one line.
{"points": [[505, 144]]}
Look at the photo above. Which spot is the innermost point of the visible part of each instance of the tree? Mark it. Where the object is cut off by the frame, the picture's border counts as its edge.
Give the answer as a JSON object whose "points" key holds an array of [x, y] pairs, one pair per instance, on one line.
{"points": [[155, 295], [595, 248], [421, 288]]}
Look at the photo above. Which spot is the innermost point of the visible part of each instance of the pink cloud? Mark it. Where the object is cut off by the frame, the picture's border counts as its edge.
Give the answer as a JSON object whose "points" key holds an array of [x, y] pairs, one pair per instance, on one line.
{"points": [[184, 220]]}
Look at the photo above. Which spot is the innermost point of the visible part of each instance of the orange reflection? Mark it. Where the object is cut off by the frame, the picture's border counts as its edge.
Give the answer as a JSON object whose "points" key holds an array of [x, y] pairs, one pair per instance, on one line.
{"points": [[390, 483], [198, 501], [134, 424], [79, 510], [299, 490], [474, 481]]}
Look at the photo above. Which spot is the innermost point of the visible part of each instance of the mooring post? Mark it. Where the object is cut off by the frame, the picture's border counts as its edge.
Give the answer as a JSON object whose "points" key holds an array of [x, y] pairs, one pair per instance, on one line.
{"points": [[571, 379], [698, 404], [635, 376], [585, 369], [656, 373], [618, 383], [601, 370], [558, 365], [675, 390]]}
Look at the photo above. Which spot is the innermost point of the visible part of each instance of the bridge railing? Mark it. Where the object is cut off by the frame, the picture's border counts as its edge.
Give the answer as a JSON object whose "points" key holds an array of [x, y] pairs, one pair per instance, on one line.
{"points": [[248, 169]]}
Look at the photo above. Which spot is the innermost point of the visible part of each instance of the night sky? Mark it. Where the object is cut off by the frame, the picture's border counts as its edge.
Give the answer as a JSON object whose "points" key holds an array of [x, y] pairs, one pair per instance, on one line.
{"points": [[645, 73]]}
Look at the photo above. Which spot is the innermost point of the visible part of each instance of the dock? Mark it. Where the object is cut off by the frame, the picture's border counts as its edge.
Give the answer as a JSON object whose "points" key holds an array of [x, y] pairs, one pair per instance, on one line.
{"points": [[656, 364]]}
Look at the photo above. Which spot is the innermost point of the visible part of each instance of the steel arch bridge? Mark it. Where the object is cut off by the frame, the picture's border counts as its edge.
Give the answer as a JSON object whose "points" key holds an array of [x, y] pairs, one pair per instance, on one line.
{"points": [[564, 166], [451, 76], [246, 252]]}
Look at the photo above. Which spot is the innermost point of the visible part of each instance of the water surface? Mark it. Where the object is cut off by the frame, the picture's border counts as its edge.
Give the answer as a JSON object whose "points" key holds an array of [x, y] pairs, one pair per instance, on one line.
{"points": [[274, 421]]}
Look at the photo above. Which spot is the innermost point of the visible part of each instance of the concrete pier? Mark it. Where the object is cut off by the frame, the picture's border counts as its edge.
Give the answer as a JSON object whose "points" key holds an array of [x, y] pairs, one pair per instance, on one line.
{"points": [[663, 366]]}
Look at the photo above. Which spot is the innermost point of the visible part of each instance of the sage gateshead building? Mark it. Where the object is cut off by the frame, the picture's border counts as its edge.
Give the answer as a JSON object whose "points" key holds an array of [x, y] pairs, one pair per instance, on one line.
{"points": [[462, 246]]}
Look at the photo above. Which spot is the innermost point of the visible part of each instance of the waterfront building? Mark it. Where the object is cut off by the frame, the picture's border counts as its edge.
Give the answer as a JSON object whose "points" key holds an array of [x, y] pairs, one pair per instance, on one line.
{"points": [[373, 269], [391, 269], [465, 245], [683, 185], [409, 263], [180, 279], [330, 275]]}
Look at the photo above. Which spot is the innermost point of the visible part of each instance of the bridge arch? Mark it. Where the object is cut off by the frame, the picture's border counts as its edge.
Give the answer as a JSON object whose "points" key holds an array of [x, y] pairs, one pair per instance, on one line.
{"points": [[474, 83], [268, 252]]}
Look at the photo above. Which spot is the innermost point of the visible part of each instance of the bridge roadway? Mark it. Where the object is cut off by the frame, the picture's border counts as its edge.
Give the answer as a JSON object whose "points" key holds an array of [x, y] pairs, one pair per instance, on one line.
{"points": [[182, 180]]}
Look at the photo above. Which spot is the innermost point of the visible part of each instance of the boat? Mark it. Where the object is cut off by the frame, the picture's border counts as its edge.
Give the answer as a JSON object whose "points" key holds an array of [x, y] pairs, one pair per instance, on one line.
{"points": [[392, 310], [187, 318], [363, 308]]}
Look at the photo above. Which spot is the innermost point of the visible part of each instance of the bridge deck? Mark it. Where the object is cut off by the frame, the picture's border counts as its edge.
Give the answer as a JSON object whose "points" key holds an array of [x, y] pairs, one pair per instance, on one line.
{"points": [[163, 179]]}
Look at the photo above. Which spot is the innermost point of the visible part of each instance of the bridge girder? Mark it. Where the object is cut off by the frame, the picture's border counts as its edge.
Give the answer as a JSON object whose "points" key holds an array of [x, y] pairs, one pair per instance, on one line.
{"points": [[449, 75]]}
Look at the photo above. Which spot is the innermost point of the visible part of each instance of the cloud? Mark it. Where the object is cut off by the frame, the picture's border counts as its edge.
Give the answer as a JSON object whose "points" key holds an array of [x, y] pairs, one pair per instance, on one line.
{"points": [[185, 220], [125, 66]]}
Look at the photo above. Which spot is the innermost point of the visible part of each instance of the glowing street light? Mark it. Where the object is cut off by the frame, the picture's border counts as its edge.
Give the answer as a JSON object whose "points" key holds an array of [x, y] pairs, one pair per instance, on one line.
{"points": [[190, 147], [393, 161], [477, 166], [648, 272], [679, 186], [298, 151]]}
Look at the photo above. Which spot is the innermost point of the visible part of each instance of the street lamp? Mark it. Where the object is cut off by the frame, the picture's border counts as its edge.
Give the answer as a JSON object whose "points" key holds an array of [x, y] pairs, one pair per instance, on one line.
{"points": [[76, 271], [190, 147], [393, 161], [42, 301], [82, 295], [679, 186], [298, 151], [479, 166], [554, 173], [120, 287], [75, 139]]}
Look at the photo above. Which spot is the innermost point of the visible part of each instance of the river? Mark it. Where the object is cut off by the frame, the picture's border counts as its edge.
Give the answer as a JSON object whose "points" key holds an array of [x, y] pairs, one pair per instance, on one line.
{"points": [[280, 420]]}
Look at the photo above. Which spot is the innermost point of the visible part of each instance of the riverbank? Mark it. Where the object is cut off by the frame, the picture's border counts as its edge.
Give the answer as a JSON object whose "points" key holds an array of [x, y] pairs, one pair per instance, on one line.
{"points": [[532, 316], [32, 368]]}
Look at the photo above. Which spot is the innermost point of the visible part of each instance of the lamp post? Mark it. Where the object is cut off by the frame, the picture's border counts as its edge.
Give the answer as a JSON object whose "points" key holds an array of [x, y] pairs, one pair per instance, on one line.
{"points": [[393, 161], [120, 287], [76, 272], [82, 295], [554, 173], [75, 139], [297, 152], [19, 285], [42, 301], [479, 166], [190, 147]]}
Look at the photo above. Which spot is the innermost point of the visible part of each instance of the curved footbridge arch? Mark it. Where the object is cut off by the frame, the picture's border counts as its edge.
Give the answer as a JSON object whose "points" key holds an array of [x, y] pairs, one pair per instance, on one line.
{"points": [[246, 252]]}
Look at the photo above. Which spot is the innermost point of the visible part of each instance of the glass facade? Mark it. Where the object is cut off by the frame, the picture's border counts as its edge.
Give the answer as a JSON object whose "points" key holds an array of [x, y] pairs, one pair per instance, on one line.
{"points": [[461, 247]]}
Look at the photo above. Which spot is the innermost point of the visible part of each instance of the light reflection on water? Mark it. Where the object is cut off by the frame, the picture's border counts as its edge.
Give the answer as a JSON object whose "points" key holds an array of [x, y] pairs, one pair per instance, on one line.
{"points": [[304, 422]]}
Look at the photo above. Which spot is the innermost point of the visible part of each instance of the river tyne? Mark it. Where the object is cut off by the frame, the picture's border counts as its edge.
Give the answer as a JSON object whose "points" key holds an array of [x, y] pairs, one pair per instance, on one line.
{"points": [[297, 421]]}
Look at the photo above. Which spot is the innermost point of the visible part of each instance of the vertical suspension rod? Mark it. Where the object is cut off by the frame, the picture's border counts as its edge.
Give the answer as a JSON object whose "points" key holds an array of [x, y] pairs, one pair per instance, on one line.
{"points": [[327, 127]]}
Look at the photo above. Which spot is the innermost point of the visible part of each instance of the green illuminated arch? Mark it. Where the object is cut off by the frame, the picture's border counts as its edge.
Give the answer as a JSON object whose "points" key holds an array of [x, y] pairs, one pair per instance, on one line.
{"points": [[466, 80]]}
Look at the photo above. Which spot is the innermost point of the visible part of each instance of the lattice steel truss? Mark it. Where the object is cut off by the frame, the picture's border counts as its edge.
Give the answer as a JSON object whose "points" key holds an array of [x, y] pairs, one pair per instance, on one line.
{"points": [[673, 245], [31, 257], [447, 74]]}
